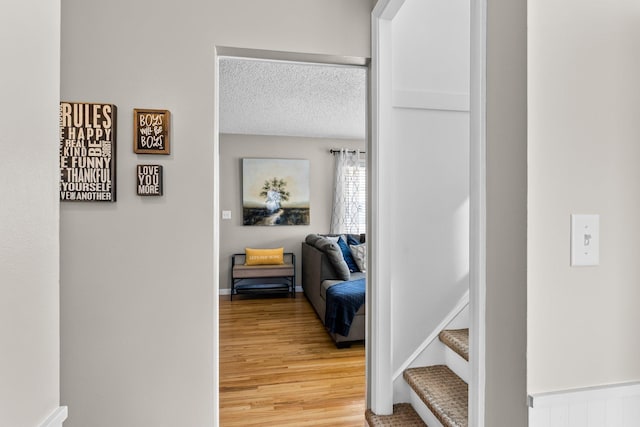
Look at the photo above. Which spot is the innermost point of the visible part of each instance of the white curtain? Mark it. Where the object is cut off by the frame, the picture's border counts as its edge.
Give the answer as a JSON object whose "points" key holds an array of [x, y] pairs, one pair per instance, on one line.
{"points": [[348, 214]]}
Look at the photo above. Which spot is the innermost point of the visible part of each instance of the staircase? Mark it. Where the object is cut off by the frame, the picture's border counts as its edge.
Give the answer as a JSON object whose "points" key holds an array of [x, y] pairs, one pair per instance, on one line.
{"points": [[439, 393]]}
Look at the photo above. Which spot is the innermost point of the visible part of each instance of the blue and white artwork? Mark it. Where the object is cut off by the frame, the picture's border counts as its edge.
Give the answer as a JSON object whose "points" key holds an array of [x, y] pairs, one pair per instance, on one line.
{"points": [[275, 192]]}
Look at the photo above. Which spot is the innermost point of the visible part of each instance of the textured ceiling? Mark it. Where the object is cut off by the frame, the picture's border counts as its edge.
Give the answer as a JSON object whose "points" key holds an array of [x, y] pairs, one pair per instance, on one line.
{"points": [[260, 97]]}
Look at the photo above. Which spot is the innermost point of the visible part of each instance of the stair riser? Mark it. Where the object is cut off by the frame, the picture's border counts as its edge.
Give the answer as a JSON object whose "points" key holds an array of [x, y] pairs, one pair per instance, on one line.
{"points": [[457, 364], [444, 394], [423, 410]]}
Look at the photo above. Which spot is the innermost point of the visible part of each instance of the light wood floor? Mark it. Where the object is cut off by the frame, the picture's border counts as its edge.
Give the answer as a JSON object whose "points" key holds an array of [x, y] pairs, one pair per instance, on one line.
{"points": [[278, 367]]}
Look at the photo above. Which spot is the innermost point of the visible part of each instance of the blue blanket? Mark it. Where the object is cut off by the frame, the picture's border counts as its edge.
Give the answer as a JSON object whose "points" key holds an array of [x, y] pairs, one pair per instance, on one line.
{"points": [[343, 302]]}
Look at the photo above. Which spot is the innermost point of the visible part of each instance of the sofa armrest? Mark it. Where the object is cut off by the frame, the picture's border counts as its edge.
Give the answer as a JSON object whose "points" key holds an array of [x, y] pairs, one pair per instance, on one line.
{"points": [[311, 270]]}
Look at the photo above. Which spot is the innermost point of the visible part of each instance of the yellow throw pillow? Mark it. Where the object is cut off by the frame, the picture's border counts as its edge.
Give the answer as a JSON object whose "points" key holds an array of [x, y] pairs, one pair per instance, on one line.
{"points": [[264, 256]]}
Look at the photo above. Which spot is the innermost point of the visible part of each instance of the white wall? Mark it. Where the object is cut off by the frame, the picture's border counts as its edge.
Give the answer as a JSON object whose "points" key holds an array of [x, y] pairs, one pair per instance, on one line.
{"points": [[433, 55], [137, 276], [234, 236], [429, 167], [583, 158], [29, 251]]}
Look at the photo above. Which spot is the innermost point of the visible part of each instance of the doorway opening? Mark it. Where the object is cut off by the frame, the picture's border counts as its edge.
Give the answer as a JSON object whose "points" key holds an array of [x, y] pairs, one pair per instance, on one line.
{"points": [[261, 135], [398, 28]]}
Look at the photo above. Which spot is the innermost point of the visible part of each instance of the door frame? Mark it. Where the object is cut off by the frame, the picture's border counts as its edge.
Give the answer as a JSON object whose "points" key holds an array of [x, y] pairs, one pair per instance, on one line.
{"points": [[263, 55], [379, 369]]}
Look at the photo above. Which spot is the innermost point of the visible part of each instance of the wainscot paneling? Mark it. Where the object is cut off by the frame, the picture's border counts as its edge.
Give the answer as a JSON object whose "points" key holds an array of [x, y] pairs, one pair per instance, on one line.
{"points": [[607, 406]]}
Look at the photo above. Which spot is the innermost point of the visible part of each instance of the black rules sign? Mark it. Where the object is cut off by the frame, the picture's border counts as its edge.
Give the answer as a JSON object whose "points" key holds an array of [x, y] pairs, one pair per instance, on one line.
{"points": [[151, 131], [149, 180], [87, 152]]}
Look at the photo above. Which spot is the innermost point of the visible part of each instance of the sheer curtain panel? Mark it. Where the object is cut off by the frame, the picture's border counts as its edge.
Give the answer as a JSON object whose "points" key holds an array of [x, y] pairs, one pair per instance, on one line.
{"points": [[349, 193]]}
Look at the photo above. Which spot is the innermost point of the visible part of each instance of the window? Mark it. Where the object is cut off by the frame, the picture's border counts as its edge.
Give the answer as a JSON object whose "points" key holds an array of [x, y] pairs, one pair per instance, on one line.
{"points": [[349, 213], [357, 193]]}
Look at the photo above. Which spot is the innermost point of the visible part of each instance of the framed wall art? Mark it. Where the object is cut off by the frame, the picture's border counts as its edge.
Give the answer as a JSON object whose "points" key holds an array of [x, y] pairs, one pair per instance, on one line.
{"points": [[151, 131], [87, 152], [149, 180], [275, 192]]}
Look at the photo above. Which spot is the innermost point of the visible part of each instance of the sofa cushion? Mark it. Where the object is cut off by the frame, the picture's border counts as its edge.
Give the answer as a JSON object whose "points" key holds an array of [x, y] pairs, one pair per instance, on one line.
{"points": [[359, 253], [346, 254], [312, 239], [353, 239], [334, 239], [333, 253]]}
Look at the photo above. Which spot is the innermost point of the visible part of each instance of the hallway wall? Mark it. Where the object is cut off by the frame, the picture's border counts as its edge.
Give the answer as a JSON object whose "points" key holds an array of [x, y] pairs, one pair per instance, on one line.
{"points": [[137, 296], [29, 244], [583, 159]]}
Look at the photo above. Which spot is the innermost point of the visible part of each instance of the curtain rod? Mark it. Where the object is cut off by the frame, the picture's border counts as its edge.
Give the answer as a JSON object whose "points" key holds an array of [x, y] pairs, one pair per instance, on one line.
{"points": [[334, 151]]}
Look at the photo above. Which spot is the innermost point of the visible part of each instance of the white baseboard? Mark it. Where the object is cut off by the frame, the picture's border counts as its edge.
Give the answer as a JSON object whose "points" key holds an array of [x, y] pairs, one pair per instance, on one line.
{"points": [[57, 417], [615, 405], [423, 410]]}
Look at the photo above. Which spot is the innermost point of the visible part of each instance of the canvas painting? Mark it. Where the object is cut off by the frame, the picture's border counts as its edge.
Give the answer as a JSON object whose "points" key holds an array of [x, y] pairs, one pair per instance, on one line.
{"points": [[275, 192]]}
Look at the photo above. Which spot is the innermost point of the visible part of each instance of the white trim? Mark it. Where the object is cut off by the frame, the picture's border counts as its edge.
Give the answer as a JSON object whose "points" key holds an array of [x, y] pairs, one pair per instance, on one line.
{"points": [[57, 417], [462, 303], [609, 405], [387, 9], [604, 392], [477, 214], [216, 238], [431, 100], [296, 57], [379, 367], [423, 410]]}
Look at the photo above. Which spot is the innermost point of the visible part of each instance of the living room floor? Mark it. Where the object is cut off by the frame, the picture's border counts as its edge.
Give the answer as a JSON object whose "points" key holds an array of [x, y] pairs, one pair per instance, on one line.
{"points": [[279, 367]]}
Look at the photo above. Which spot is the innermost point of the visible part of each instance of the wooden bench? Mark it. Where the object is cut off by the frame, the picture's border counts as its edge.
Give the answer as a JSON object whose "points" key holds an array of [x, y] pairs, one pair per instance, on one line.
{"points": [[263, 278]]}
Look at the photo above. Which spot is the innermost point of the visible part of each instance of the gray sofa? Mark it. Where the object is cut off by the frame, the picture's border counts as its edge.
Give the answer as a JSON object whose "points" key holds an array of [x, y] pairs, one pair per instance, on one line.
{"points": [[318, 274]]}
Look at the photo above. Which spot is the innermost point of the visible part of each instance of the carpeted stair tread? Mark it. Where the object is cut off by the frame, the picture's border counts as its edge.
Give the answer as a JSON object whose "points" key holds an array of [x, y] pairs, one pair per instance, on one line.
{"points": [[444, 393], [457, 340], [403, 415]]}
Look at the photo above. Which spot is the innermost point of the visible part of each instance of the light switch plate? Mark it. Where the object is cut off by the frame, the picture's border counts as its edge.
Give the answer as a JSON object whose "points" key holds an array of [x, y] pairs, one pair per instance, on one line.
{"points": [[585, 240], [226, 214]]}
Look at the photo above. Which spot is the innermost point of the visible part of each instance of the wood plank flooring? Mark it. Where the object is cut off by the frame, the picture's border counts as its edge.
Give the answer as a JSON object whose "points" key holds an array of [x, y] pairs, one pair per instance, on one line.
{"points": [[278, 367]]}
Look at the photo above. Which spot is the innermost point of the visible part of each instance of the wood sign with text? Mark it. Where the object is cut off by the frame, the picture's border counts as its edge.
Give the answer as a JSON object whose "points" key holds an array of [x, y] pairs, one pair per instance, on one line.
{"points": [[87, 152], [149, 180], [151, 131]]}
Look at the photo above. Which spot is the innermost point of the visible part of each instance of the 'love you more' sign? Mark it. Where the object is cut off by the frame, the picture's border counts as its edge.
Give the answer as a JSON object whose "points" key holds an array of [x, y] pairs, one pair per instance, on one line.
{"points": [[151, 131], [149, 180]]}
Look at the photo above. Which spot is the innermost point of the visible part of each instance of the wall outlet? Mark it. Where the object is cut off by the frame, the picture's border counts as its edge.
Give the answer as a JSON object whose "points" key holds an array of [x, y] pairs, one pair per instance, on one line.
{"points": [[226, 214], [585, 240]]}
